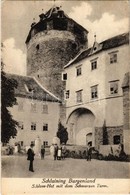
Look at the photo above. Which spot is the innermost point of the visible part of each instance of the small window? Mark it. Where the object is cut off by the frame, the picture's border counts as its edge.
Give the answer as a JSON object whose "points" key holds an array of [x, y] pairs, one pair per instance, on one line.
{"points": [[78, 71], [116, 139], [64, 76], [113, 58], [37, 47], [45, 143], [20, 105], [45, 109], [114, 87], [93, 65], [94, 92], [67, 94], [21, 126], [45, 127], [33, 126], [33, 107], [79, 96]]}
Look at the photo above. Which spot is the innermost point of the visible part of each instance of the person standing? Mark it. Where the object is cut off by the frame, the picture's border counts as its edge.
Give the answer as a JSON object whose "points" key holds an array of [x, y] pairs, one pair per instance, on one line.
{"points": [[89, 152], [42, 152], [63, 151], [30, 157], [59, 153], [55, 151]]}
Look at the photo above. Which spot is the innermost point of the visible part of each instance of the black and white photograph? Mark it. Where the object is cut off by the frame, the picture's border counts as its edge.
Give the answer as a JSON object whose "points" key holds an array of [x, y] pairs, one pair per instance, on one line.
{"points": [[65, 96]]}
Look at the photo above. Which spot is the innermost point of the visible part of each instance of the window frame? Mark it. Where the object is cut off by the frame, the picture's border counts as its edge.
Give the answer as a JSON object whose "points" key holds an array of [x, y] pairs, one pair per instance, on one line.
{"points": [[67, 94], [112, 83], [45, 127], [94, 91], [80, 94], [45, 144], [79, 70], [116, 139], [94, 65], [113, 57], [33, 126]]}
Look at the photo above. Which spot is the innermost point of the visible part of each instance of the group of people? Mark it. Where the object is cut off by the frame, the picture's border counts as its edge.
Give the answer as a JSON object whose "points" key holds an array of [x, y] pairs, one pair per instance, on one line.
{"points": [[58, 152]]}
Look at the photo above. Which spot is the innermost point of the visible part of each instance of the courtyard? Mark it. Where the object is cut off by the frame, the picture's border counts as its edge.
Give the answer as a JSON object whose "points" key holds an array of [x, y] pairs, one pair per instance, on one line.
{"points": [[16, 166]]}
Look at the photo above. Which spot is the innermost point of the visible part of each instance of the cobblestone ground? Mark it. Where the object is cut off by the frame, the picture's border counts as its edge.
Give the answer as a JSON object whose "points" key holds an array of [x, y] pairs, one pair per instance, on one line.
{"points": [[17, 166]]}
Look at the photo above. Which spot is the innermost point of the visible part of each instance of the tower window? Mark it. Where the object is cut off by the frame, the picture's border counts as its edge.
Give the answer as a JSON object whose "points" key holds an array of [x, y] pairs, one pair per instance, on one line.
{"points": [[64, 76], [37, 47]]}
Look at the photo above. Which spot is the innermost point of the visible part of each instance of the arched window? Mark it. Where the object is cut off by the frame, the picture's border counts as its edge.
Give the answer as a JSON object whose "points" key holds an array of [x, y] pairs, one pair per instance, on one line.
{"points": [[116, 139]]}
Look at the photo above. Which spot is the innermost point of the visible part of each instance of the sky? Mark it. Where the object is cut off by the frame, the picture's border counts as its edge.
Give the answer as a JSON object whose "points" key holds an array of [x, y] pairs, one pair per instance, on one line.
{"points": [[103, 18]]}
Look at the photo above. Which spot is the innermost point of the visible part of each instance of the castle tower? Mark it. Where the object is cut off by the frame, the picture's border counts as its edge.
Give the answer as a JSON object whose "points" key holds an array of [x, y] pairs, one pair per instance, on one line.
{"points": [[52, 43]]}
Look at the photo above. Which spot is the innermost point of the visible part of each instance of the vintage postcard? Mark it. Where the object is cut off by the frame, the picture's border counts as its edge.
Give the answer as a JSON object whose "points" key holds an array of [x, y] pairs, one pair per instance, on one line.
{"points": [[65, 97]]}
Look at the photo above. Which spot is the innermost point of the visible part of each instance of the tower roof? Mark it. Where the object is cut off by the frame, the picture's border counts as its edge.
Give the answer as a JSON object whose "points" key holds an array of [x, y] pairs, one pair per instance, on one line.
{"points": [[51, 14]]}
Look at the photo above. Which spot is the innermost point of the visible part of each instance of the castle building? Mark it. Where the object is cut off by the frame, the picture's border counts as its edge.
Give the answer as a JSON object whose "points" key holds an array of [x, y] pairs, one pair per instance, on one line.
{"points": [[35, 111], [51, 43], [97, 93]]}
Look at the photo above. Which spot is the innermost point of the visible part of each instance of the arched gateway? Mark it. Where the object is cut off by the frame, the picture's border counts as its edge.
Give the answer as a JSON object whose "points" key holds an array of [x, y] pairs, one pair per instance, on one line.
{"points": [[80, 125]]}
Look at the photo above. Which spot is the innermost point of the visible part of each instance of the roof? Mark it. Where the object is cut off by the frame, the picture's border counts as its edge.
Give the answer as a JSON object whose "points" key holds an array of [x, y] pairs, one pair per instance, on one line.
{"points": [[105, 45], [126, 81], [29, 87], [49, 15]]}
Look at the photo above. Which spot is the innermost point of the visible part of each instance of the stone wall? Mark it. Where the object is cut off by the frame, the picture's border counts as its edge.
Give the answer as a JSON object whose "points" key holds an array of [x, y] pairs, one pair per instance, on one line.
{"points": [[111, 132], [98, 137], [46, 57]]}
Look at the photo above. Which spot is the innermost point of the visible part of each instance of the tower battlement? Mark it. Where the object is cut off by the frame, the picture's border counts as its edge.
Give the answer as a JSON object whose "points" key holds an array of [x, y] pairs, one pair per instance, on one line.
{"points": [[56, 19]]}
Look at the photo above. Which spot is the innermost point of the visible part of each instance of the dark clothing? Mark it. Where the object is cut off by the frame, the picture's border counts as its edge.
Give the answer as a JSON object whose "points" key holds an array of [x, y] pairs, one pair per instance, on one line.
{"points": [[55, 151], [30, 157], [89, 153], [63, 152], [31, 166], [42, 153]]}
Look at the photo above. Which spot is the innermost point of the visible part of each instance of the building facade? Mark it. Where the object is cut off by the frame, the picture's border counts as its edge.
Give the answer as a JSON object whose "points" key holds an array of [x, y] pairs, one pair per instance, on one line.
{"points": [[94, 95], [37, 112]]}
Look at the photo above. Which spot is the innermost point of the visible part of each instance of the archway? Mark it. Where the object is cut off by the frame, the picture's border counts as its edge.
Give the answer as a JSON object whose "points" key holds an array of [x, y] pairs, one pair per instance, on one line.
{"points": [[80, 125]]}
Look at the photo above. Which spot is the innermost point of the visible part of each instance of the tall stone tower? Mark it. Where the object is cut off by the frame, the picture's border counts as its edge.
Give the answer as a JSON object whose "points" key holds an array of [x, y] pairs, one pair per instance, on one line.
{"points": [[51, 44]]}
